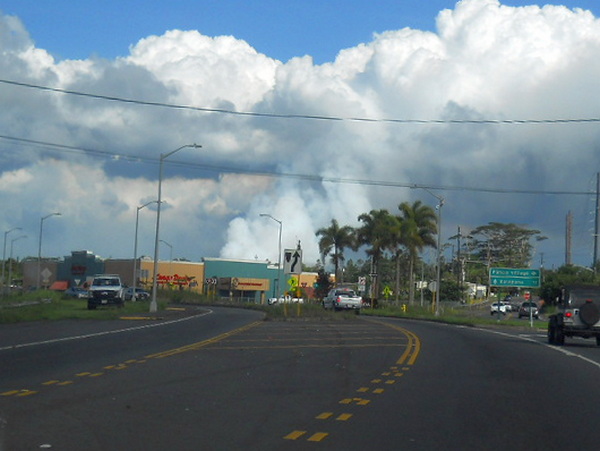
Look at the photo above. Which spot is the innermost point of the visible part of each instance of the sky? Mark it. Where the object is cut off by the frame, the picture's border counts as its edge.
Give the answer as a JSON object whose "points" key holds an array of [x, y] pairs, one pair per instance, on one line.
{"points": [[306, 111]]}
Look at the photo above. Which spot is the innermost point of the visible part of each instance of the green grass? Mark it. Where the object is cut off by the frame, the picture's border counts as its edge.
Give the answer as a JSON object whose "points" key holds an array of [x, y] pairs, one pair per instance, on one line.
{"points": [[49, 305], [462, 316]]}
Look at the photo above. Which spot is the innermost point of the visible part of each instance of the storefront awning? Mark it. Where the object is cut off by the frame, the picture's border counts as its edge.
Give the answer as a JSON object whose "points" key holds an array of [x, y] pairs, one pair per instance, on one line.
{"points": [[60, 285]]}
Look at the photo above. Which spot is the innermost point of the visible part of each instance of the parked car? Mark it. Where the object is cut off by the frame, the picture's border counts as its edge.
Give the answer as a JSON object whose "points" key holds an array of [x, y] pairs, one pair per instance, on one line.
{"points": [[76, 292], [499, 307], [285, 300], [140, 293], [528, 309]]}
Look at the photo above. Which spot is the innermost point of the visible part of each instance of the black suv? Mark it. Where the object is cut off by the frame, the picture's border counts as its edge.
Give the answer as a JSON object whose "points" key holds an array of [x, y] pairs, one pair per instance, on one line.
{"points": [[578, 316]]}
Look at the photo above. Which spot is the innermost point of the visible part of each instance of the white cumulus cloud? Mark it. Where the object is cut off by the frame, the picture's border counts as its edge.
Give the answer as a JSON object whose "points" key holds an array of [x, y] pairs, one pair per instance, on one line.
{"points": [[486, 61]]}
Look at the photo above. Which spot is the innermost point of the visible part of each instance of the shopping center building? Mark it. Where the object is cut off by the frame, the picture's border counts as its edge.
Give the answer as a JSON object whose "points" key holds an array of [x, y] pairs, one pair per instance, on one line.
{"points": [[251, 280]]}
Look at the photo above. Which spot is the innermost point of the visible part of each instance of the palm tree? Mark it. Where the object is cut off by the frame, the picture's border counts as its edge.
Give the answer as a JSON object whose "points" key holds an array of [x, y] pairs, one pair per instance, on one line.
{"points": [[375, 232], [336, 238], [418, 224], [397, 250]]}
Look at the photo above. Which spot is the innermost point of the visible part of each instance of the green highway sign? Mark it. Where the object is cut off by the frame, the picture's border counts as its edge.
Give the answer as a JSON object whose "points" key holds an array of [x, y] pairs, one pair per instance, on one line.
{"points": [[514, 277]]}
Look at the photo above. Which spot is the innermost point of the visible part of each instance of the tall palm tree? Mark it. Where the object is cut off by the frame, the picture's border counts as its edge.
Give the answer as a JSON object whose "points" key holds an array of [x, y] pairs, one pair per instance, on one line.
{"points": [[418, 225], [335, 238], [375, 232], [396, 248]]}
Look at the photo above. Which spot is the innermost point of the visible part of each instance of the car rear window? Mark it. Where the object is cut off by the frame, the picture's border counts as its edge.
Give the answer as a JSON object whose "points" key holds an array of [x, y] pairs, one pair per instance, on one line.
{"points": [[580, 295], [345, 293], [106, 282]]}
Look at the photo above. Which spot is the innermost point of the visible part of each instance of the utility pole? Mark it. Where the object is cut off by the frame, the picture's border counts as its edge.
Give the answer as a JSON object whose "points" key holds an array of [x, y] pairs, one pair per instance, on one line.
{"points": [[596, 221], [568, 234], [460, 266]]}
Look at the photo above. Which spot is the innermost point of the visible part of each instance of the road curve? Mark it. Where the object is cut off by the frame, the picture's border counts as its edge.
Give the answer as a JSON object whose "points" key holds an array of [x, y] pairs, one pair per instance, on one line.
{"points": [[228, 380]]}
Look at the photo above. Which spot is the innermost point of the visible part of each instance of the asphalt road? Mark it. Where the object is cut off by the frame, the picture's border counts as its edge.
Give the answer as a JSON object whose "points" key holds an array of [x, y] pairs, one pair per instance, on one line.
{"points": [[225, 380]]}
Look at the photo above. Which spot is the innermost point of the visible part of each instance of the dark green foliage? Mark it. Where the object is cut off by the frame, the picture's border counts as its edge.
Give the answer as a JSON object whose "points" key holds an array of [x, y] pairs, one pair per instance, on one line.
{"points": [[553, 281], [323, 284]]}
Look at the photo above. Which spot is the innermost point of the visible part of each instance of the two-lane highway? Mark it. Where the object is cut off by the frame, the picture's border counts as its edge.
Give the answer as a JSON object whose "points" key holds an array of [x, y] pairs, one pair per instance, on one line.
{"points": [[227, 380]]}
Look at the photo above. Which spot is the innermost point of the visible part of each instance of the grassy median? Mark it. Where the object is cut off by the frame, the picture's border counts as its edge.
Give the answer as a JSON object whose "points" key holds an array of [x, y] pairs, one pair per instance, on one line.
{"points": [[50, 305]]}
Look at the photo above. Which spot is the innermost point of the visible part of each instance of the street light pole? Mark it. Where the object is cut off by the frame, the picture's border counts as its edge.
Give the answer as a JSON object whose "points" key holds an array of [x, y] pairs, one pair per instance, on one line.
{"points": [[10, 260], [39, 268], [4, 254], [135, 244], [438, 281], [170, 253], [278, 285], [163, 157]]}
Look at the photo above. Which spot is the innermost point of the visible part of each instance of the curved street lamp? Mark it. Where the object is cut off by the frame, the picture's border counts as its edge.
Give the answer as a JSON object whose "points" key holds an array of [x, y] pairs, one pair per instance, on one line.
{"points": [[4, 252], [163, 157], [135, 243], [170, 252], [278, 284], [39, 268], [10, 260]]}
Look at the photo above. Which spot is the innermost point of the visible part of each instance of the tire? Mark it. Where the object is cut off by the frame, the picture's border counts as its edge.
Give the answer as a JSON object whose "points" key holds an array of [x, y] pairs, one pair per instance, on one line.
{"points": [[589, 314], [559, 337], [91, 307], [552, 331]]}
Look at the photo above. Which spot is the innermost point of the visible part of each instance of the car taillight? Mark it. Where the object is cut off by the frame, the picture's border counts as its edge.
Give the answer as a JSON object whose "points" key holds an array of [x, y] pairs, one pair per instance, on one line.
{"points": [[568, 314], [338, 299]]}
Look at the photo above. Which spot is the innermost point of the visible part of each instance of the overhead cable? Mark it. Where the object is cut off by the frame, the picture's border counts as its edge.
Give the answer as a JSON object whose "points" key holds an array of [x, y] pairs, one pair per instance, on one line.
{"points": [[290, 175], [297, 116]]}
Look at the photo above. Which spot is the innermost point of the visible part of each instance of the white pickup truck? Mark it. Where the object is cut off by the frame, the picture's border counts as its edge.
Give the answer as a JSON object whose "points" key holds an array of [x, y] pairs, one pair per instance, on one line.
{"points": [[342, 299], [105, 289]]}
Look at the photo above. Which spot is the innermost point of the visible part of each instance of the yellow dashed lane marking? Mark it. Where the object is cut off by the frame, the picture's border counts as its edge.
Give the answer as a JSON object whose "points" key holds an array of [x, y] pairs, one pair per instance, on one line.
{"points": [[408, 357], [10, 393], [26, 393], [344, 417], [294, 435], [357, 401], [318, 437]]}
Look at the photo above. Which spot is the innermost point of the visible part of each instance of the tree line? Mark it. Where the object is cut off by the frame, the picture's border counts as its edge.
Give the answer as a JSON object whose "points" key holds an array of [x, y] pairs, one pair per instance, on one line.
{"points": [[394, 245]]}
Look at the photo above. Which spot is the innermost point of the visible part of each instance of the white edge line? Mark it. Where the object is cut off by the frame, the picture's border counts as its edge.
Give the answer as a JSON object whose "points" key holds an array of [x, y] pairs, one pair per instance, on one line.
{"points": [[99, 334], [555, 348]]}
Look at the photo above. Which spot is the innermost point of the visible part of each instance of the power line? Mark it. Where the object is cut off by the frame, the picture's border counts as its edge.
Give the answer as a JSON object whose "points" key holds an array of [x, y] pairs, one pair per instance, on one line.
{"points": [[264, 173], [297, 116]]}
